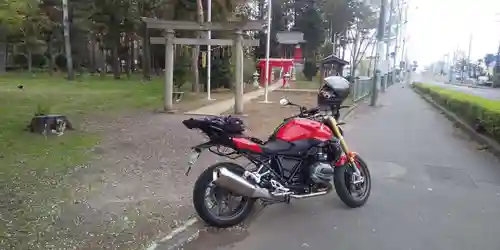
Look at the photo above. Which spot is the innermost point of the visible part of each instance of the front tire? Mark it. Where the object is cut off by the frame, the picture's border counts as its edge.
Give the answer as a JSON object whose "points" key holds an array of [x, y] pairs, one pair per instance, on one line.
{"points": [[204, 183], [345, 188]]}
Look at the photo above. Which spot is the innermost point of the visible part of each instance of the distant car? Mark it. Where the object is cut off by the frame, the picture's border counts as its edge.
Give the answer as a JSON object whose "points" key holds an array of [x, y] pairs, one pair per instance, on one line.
{"points": [[481, 80]]}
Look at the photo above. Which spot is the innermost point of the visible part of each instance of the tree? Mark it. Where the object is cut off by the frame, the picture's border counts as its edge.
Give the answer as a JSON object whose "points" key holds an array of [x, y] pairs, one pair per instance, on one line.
{"points": [[310, 69], [362, 34], [278, 24], [488, 59], [338, 16], [310, 22], [27, 21]]}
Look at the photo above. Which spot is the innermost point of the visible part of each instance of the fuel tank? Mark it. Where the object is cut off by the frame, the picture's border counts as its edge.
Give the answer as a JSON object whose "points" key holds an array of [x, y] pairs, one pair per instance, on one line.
{"points": [[302, 129]]}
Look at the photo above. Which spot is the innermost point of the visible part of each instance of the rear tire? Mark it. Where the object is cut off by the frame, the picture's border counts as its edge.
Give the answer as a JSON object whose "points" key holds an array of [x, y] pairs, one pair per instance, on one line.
{"points": [[342, 184], [204, 182]]}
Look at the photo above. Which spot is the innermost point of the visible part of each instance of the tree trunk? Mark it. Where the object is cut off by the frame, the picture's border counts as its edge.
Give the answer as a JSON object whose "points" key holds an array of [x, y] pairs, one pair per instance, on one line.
{"points": [[115, 57], [116, 61], [196, 49], [30, 60], [133, 53], [104, 67], [146, 55], [3, 55], [355, 54], [343, 52], [92, 54], [128, 42], [344, 44], [51, 54], [195, 87]]}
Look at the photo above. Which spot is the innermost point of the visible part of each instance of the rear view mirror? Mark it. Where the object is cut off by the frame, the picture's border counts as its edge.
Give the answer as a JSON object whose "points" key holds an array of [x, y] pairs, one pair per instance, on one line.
{"points": [[284, 101]]}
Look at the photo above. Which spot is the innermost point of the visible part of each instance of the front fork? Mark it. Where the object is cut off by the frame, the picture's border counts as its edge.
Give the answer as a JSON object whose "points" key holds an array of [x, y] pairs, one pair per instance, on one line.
{"points": [[357, 178]]}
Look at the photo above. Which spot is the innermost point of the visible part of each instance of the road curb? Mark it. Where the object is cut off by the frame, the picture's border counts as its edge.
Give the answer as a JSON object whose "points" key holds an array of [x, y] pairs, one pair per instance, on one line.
{"points": [[349, 111], [492, 146]]}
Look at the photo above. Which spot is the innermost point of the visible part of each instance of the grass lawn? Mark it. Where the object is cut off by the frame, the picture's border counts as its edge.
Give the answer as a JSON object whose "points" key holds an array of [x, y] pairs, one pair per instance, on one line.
{"points": [[32, 167]]}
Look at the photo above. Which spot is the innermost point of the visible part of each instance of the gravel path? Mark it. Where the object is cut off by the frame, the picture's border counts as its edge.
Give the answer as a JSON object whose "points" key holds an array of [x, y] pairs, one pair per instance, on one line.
{"points": [[136, 189]]}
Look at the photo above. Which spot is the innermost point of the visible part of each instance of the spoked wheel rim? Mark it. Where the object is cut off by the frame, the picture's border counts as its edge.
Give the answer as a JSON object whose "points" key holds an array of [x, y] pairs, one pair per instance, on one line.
{"points": [[223, 204], [358, 191]]}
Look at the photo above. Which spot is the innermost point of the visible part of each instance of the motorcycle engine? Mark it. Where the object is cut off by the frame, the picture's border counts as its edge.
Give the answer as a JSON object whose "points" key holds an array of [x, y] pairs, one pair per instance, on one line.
{"points": [[321, 172]]}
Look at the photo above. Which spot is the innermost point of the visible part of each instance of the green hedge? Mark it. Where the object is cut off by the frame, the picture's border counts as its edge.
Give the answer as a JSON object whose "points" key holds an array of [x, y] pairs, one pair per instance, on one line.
{"points": [[469, 107]]}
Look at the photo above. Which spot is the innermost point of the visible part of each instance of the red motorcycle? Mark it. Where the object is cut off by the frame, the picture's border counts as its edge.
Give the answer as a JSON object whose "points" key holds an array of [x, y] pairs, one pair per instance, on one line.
{"points": [[301, 159]]}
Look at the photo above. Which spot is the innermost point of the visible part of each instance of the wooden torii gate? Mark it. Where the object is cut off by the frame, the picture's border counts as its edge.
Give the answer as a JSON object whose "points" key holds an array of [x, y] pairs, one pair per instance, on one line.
{"points": [[169, 40]]}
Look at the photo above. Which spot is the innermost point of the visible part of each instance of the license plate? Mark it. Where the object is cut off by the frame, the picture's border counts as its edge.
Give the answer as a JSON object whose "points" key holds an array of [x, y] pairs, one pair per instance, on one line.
{"points": [[192, 158]]}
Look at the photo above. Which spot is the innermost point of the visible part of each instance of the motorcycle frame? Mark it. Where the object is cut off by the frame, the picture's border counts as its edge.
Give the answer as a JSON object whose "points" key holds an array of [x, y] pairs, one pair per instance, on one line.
{"points": [[261, 160]]}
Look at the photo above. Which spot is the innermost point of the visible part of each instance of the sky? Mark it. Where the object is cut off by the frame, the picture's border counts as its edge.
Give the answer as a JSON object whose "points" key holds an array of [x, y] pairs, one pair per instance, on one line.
{"points": [[437, 27]]}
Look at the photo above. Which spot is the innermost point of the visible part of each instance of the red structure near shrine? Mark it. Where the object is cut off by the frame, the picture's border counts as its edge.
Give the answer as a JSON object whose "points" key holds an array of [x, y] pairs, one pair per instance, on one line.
{"points": [[285, 64], [291, 53]]}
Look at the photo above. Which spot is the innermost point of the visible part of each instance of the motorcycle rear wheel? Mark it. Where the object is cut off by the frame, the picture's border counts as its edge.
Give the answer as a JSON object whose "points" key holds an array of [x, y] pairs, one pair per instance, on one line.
{"points": [[345, 188], [205, 183]]}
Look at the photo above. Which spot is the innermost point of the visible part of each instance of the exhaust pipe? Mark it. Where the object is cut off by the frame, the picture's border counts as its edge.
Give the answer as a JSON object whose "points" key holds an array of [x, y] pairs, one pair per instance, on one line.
{"points": [[235, 183]]}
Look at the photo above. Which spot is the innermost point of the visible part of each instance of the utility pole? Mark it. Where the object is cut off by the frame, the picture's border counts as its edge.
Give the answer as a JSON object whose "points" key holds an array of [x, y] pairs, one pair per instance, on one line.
{"points": [[468, 56], [67, 41], [496, 70], [388, 39], [209, 52], [3, 56], [398, 31], [380, 47], [404, 37], [268, 51]]}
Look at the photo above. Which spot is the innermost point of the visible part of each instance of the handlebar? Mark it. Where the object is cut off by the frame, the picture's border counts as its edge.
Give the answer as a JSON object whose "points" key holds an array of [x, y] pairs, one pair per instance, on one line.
{"points": [[307, 113]]}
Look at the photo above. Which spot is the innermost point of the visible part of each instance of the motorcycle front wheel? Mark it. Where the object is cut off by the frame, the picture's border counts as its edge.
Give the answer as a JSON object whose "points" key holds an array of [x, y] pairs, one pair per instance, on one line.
{"points": [[217, 206], [353, 195]]}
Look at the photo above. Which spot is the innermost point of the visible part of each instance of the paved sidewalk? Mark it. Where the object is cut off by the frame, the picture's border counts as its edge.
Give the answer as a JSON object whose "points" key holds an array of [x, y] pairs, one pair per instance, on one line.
{"points": [[222, 106], [432, 190]]}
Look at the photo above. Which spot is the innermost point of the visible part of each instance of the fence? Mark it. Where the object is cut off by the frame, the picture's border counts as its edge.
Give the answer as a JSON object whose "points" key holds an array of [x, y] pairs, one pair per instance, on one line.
{"points": [[392, 78], [363, 87]]}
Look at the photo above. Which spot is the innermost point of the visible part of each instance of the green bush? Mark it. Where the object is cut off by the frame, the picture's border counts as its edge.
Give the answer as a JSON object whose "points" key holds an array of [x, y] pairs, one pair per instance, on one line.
{"points": [[310, 69], [60, 61], [249, 68], [39, 61], [469, 107], [181, 70], [21, 60]]}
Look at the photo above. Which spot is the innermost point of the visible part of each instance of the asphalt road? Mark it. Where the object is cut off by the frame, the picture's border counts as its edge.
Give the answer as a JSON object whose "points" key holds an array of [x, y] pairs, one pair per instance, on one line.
{"points": [[485, 92], [433, 189]]}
